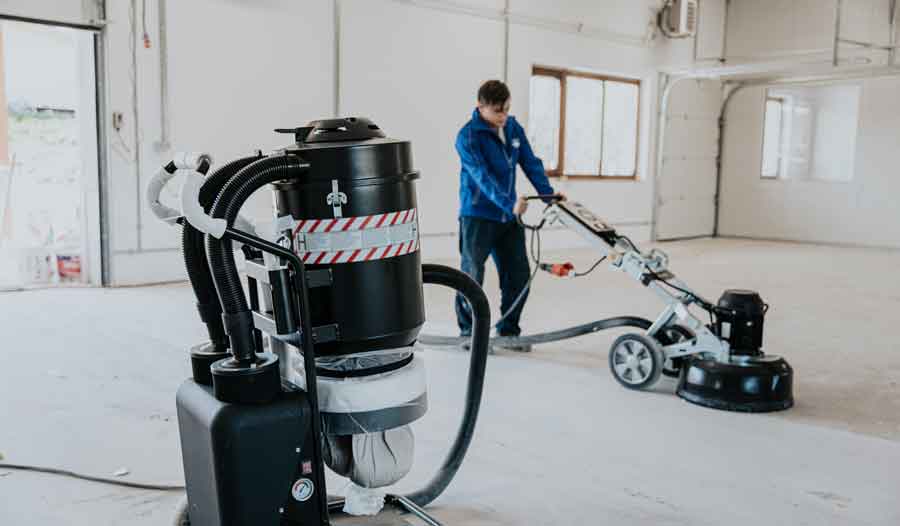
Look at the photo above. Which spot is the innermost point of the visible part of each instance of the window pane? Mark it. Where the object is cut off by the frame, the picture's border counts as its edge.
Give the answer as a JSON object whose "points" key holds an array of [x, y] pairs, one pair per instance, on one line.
{"points": [[543, 119], [818, 132], [584, 126], [620, 129], [772, 138]]}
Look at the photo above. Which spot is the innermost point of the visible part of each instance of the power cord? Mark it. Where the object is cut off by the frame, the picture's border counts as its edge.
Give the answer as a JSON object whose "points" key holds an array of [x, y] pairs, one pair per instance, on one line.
{"points": [[595, 265], [91, 478]]}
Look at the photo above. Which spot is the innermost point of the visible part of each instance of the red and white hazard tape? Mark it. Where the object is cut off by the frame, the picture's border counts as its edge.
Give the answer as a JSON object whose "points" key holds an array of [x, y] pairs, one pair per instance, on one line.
{"points": [[355, 239], [343, 224]]}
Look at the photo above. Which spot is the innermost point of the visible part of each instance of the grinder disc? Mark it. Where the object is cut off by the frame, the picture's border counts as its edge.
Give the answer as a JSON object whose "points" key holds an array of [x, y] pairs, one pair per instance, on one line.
{"points": [[750, 384]]}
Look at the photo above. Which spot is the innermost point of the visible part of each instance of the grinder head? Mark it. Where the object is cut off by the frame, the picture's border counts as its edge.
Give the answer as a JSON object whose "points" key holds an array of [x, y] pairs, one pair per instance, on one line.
{"points": [[749, 384]]}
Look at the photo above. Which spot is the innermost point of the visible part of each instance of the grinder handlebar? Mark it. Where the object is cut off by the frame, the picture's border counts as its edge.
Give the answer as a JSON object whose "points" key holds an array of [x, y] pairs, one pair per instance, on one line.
{"points": [[550, 199]]}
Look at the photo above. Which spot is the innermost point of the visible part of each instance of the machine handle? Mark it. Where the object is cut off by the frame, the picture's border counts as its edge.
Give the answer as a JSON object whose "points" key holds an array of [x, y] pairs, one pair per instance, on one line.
{"points": [[199, 162], [192, 161], [550, 199], [553, 198], [165, 213], [193, 210]]}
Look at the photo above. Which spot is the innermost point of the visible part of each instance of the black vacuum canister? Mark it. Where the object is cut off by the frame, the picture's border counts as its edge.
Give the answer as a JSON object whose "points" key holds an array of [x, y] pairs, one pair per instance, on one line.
{"points": [[739, 320], [355, 213], [750, 381]]}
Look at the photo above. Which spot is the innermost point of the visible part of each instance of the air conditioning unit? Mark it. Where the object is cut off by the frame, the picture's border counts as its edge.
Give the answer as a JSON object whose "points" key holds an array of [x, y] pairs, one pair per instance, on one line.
{"points": [[678, 18]]}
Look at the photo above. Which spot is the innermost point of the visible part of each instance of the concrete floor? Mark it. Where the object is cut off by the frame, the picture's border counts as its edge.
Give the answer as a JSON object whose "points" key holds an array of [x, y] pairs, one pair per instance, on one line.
{"points": [[90, 375]]}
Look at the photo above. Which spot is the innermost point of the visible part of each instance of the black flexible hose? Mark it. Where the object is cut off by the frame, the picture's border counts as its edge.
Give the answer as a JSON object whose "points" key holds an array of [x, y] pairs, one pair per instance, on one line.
{"points": [[547, 337], [220, 252], [194, 252], [92, 478], [481, 329]]}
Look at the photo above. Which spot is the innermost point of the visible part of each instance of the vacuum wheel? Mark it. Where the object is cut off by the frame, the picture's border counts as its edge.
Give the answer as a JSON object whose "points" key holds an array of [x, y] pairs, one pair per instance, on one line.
{"points": [[669, 336], [181, 514], [636, 361]]}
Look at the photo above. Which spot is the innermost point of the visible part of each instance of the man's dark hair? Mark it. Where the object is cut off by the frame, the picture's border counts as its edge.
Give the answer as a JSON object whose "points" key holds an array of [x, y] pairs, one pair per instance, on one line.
{"points": [[493, 93]]}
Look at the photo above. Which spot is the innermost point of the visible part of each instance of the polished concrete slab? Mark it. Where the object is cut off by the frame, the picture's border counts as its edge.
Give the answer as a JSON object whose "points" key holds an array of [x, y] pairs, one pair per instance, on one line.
{"points": [[89, 378]]}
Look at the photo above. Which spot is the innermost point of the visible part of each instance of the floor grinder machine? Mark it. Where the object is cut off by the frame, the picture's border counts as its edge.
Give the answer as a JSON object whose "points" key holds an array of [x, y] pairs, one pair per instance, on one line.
{"points": [[718, 364], [314, 364]]}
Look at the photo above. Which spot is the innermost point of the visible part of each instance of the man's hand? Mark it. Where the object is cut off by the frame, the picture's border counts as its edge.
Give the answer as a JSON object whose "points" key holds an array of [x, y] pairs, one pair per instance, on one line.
{"points": [[520, 207]]}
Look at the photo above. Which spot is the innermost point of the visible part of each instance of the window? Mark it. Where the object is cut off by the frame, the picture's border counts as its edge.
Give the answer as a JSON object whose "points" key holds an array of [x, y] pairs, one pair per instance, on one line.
{"points": [[809, 133], [584, 125], [772, 141]]}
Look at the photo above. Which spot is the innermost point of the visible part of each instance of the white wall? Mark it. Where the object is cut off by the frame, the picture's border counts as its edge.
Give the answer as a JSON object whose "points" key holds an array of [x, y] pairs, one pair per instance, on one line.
{"points": [[233, 77], [861, 212], [413, 68], [623, 203], [418, 80], [237, 69], [34, 85], [771, 29], [686, 182]]}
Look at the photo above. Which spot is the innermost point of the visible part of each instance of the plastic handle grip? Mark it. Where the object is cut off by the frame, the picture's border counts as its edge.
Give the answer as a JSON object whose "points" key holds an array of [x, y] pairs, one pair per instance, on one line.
{"points": [[154, 189], [193, 211], [190, 160]]}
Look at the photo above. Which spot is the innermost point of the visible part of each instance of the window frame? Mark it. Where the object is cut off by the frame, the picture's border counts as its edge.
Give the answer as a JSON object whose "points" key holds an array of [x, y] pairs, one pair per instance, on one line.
{"points": [[779, 172], [561, 74]]}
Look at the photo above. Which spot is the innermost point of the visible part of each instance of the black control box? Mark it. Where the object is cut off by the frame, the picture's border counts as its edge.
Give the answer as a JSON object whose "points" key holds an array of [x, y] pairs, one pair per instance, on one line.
{"points": [[248, 464]]}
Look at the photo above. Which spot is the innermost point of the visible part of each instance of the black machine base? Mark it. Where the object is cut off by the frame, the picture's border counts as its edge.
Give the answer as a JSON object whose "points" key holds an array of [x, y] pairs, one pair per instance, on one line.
{"points": [[747, 384], [246, 383], [249, 465]]}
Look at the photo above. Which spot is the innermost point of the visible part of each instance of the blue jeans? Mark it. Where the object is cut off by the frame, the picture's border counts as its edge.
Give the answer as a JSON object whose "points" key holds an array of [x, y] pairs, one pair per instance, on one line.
{"points": [[505, 243]]}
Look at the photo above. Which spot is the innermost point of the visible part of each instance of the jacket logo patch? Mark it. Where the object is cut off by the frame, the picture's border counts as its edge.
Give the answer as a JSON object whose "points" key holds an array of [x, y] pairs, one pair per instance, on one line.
{"points": [[515, 143]]}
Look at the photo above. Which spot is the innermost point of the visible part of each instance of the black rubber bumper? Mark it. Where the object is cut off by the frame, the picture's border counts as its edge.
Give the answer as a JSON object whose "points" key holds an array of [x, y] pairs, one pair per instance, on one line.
{"points": [[744, 384]]}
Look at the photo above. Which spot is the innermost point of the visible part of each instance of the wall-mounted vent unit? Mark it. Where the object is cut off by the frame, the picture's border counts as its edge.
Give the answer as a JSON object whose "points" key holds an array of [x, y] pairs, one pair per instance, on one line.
{"points": [[678, 18]]}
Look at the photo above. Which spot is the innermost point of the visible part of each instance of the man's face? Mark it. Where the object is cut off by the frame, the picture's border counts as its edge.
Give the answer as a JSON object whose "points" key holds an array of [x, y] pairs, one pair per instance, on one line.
{"points": [[494, 114]]}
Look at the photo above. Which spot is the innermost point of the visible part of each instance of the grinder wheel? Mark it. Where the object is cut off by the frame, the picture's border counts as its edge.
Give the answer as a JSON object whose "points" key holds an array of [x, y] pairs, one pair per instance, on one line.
{"points": [[636, 361]]}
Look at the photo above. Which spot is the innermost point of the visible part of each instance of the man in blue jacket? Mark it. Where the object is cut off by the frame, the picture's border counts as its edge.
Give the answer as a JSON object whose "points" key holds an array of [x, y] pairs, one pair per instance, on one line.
{"points": [[490, 146]]}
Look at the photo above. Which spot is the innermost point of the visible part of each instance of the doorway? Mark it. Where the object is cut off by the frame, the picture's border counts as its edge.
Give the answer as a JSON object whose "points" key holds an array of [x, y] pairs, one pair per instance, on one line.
{"points": [[49, 180]]}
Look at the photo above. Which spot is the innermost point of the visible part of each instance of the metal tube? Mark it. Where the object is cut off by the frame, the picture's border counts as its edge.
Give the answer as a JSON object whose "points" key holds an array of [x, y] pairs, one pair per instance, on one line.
{"points": [[660, 147], [892, 57], [506, 41], [136, 123], [163, 78], [829, 77], [837, 31], [413, 508], [308, 348], [867, 45], [337, 58], [720, 156], [96, 26], [103, 183], [724, 58]]}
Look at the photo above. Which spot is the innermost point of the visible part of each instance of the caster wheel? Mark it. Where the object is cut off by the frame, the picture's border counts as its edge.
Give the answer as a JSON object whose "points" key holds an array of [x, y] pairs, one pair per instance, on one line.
{"points": [[636, 361], [669, 336]]}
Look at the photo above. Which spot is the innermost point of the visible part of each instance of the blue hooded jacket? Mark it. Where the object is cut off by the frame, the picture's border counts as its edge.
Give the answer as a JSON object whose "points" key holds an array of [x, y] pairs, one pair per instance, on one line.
{"points": [[488, 177]]}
